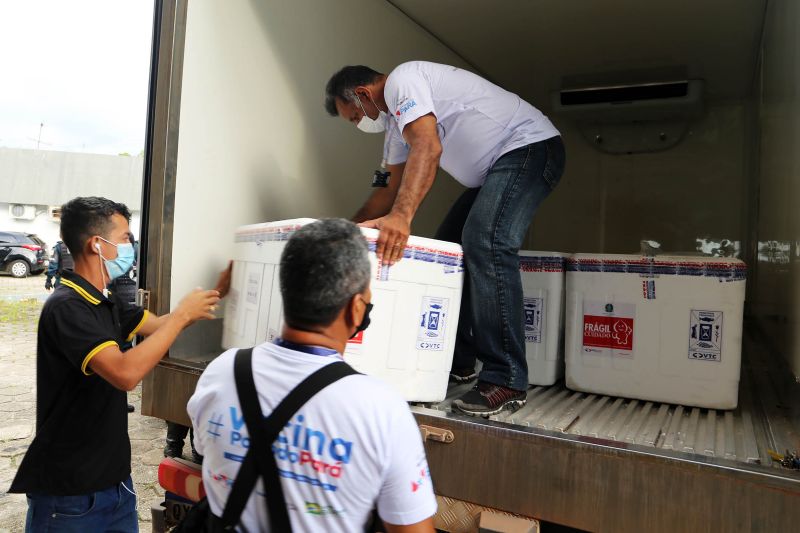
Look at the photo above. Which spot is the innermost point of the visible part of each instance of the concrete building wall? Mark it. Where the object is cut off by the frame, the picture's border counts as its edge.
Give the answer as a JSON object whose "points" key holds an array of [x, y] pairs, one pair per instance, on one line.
{"points": [[47, 177], [43, 179]]}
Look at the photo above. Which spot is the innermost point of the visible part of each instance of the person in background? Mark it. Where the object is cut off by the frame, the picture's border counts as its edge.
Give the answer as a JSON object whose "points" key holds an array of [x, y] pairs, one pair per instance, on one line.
{"points": [[76, 472], [61, 260], [124, 288], [176, 436]]}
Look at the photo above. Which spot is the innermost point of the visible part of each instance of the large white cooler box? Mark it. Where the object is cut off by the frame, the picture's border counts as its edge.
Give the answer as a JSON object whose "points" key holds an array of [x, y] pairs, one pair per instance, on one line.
{"points": [[543, 291], [411, 338], [665, 328]]}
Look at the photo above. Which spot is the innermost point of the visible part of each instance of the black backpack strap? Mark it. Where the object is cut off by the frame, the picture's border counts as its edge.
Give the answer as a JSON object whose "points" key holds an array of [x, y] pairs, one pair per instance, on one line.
{"points": [[263, 433]]}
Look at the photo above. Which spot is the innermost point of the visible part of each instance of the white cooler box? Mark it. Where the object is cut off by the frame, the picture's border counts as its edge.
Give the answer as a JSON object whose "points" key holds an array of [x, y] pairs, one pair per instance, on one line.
{"points": [[665, 328], [543, 290], [411, 338]]}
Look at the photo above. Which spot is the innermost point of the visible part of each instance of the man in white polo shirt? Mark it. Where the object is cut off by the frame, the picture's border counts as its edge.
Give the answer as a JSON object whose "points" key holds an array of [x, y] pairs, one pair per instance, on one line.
{"points": [[352, 447], [508, 155]]}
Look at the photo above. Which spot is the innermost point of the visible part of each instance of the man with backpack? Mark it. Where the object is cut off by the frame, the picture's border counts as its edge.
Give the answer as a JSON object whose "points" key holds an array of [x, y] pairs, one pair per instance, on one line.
{"points": [[335, 444], [61, 261]]}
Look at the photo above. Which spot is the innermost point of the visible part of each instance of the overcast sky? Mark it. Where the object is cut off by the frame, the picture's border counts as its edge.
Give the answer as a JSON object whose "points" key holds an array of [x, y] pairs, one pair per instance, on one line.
{"points": [[81, 67]]}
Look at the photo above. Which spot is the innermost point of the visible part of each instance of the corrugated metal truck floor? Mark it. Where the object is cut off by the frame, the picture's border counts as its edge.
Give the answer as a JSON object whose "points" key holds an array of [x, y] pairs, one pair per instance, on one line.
{"points": [[767, 416]]}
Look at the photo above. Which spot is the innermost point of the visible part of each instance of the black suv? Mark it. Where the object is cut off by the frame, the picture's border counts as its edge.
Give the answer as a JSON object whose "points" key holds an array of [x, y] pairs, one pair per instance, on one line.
{"points": [[22, 253]]}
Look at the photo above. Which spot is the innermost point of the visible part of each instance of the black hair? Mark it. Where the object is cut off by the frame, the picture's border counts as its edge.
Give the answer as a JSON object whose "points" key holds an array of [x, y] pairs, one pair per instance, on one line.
{"points": [[342, 83], [84, 217], [323, 266]]}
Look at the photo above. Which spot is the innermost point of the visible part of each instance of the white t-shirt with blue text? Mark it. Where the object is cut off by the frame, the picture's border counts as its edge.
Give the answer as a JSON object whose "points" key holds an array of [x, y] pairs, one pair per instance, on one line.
{"points": [[477, 121], [353, 446]]}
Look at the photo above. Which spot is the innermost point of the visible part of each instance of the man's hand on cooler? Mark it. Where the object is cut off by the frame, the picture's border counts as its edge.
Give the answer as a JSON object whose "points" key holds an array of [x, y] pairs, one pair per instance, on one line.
{"points": [[224, 281], [394, 231]]}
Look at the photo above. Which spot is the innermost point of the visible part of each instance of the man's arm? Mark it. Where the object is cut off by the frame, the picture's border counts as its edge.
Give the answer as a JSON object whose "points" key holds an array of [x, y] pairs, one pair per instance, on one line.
{"points": [[381, 200], [152, 324], [125, 370], [418, 176]]}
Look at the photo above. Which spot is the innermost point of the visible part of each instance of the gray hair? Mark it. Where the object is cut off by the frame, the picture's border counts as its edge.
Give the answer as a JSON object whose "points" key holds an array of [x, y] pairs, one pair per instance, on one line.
{"points": [[323, 266], [343, 83]]}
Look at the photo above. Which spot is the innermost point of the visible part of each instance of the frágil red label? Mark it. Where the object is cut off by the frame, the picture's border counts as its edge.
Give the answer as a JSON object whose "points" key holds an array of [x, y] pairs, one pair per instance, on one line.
{"points": [[611, 332]]}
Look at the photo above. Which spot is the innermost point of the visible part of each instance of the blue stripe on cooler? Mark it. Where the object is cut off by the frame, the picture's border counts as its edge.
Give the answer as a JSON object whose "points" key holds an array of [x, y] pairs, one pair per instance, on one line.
{"points": [[731, 271], [541, 264], [278, 233], [427, 255]]}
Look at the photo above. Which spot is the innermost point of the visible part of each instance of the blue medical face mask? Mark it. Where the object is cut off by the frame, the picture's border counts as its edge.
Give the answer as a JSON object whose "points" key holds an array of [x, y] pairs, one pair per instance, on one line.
{"points": [[122, 264]]}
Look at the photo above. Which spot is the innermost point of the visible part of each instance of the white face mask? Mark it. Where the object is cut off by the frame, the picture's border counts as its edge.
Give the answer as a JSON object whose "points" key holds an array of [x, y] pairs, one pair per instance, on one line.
{"points": [[368, 125]]}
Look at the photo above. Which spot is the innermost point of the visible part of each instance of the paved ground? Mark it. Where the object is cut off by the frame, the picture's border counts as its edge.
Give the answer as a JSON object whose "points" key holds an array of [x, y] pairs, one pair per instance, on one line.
{"points": [[20, 303]]}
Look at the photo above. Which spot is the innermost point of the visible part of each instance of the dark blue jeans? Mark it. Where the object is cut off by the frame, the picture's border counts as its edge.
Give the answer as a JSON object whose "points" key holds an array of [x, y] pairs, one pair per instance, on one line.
{"points": [[490, 223], [113, 509]]}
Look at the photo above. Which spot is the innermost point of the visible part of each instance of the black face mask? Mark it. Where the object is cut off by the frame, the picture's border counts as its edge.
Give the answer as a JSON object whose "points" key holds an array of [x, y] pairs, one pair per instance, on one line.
{"points": [[364, 322]]}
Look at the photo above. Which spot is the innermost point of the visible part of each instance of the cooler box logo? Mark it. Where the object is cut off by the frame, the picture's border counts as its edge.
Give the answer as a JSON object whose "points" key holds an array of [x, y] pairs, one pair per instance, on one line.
{"points": [[611, 332], [433, 320], [432, 324], [532, 311], [705, 335]]}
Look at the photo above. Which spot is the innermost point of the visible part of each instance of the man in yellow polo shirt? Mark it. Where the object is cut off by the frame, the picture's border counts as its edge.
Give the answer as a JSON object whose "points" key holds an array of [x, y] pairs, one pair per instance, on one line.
{"points": [[76, 471]]}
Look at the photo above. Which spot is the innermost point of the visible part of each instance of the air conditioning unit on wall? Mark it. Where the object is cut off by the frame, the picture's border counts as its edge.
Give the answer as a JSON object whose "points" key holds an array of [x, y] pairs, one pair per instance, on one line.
{"points": [[633, 118], [632, 103], [22, 211]]}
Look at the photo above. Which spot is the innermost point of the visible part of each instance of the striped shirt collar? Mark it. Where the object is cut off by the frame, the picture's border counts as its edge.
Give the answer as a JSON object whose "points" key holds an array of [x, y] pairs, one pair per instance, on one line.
{"points": [[85, 289]]}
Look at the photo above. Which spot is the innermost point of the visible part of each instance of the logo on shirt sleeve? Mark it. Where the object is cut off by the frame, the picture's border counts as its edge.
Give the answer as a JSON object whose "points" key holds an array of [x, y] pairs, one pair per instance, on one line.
{"points": [[423, 474], [404, 106]]}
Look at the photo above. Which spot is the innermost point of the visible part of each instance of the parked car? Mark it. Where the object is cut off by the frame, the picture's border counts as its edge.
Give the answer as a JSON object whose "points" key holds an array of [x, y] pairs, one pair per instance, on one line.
{"points": [[22, 254]]}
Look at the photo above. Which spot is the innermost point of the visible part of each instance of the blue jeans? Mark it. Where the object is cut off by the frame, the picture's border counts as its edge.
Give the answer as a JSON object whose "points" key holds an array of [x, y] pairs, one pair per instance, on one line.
{"points": [[490, 223], [112, 509]]}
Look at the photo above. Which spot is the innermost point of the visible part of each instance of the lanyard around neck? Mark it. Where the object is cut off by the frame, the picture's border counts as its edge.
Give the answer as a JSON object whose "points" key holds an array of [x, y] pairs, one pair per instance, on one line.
{"points": [[305, 348]]}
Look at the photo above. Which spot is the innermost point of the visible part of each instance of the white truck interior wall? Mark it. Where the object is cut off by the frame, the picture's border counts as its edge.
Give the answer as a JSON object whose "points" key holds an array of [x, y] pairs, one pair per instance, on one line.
{"points": [[255, 141], [608, 203], [777, 290]]}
